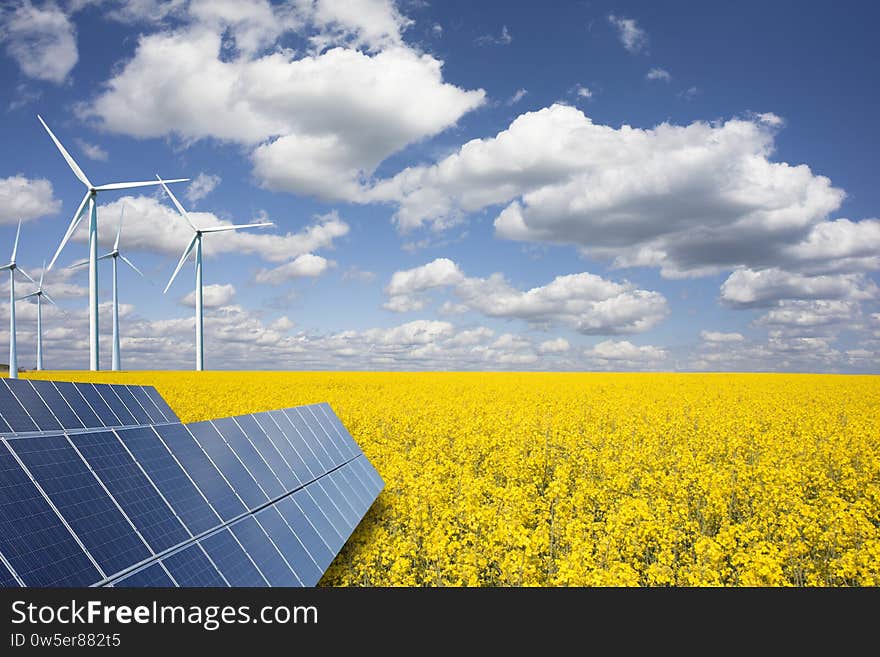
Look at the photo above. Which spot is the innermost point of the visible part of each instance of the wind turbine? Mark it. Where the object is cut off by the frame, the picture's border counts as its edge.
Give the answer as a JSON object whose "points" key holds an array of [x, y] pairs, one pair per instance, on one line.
{"points": [[12, 267], [196, 242], [116, 255], [90, 200], [39, 294]]}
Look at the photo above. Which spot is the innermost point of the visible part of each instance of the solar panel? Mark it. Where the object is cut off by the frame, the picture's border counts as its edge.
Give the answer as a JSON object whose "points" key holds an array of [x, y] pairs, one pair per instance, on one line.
{"points": [[34, 405], [102, 485]]}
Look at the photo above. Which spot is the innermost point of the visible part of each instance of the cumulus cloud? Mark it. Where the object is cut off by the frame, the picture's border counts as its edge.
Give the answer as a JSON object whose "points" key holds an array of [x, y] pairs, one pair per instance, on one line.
{"points": [[41, 39], [809, 314], [659, 74], [213, 296], [748, 288], [26, 199], [622, 354], [518, 95], [690, 200], [92, 151], [719, 337], [557, 346], [633, 38], [200, 186], [584, 302], [307, 265], [314, 124]]}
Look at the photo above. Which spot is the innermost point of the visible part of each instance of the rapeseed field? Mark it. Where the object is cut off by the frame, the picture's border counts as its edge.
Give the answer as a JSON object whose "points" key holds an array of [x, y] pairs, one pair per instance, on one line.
{"points": [[557, 479]]}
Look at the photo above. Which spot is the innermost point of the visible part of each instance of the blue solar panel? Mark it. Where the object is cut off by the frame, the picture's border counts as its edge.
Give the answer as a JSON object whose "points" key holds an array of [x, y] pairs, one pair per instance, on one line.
{"points": [[311, 467], [308, 437], [319, 519], [36, 407], [266, 447], [290, 545], [331, 487], [98, 405], [306, 532], [329, 509], [120, 411], [132, 490], [161, 404], [327, 434], [199, 467], [146, 403], [78, 403], [290, 475], [7, 579], [60, 408], [353, 489], [32, 537], [264, 553], [252, 460], [191, 567], [286, 431], [227, 462], [139, 415], [82, 501], [345, 437], [231, 560], [170, 478], [150, 577], [320, 443], [12, 411]]}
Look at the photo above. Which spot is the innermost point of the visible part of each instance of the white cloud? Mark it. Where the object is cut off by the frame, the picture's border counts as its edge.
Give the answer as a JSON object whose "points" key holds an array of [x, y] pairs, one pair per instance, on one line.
{"points": [[518, 95], [557, 346], [719, 337], [318, 124], [374, 24], [253, 24], [748, 288], [41, 39], [26, 199], [307, 265], [156, 227], [633, 38], [202, 185], [502, 39], [354, 273], [808, 314], [582, 92], [659, 74], [625, 355], [92, 151], [690, 200], [841, 245], [213, 296], [584, 302]]}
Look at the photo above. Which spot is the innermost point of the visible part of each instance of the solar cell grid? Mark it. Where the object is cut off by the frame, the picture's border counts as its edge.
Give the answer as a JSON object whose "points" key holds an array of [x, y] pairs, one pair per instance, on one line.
{"points": [[254, 500]]}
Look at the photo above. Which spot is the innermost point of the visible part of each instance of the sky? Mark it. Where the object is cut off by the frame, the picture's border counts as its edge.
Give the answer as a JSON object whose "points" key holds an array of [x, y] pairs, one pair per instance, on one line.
{"points": [[452, 185]]}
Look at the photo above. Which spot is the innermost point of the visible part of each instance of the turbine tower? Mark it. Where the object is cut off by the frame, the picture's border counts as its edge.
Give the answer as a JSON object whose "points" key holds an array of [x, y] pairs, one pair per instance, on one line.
{"points": [[116, 255], [39, 294], [90, 200], [196, 242], [12, 267]]}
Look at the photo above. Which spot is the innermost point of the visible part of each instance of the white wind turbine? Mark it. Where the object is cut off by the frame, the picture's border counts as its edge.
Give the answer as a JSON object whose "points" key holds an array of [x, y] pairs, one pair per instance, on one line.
{"points": [[116, 364], [12, 267], [196, 242], [91, 200], [40, 293]]}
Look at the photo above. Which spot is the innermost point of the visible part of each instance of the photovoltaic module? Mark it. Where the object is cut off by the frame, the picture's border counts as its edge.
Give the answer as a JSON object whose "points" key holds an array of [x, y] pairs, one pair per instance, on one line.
{"points": [[102, 485]]}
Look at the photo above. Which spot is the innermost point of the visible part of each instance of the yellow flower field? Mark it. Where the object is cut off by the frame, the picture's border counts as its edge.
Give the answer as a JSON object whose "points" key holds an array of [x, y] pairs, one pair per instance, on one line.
{"points": [[522, 479]]}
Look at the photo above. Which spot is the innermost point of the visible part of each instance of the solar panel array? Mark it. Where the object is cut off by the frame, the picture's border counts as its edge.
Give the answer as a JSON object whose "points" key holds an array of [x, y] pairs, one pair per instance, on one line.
{"points": [[266, 499]]}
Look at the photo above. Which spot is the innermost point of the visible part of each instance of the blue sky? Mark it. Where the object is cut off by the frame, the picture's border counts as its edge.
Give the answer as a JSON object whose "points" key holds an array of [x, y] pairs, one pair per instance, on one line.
{"points": [[455, 185]]}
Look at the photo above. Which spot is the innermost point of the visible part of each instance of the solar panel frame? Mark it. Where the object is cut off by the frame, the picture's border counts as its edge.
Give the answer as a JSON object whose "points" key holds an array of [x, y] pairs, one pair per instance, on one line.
{"points": [[153, 576]]}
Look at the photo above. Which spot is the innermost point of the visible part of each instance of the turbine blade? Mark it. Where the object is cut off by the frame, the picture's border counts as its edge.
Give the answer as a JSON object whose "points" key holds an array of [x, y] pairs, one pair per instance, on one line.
{"points": [[42, 273], [50, 299], [127, 185], [15, 246], [131, 264], [70, 161], [78, 264], [5, 267], [70, 229], [27, 296], [186, 253], [176, 202], [119, 230], [220, 229], [25, 274], [103, 257]]}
